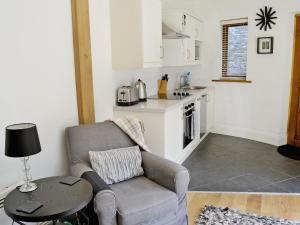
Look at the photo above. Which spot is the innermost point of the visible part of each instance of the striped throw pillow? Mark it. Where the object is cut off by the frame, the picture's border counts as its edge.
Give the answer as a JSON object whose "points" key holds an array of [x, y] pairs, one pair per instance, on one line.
{"points": [[117, 165]]}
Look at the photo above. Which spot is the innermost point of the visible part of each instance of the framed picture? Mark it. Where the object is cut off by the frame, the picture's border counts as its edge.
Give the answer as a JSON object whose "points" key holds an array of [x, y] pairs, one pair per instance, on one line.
{"points": [[265, 45]]}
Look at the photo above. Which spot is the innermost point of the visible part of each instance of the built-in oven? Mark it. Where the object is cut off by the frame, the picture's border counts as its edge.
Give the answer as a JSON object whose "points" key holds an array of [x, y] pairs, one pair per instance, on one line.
{"points": [[188, 123]]}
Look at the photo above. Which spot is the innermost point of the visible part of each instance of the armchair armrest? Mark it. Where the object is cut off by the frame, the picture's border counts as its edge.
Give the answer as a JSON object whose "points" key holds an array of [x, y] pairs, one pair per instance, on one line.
{"points": [[95, 180], [166, 173], [77, 169], [104, 200]]}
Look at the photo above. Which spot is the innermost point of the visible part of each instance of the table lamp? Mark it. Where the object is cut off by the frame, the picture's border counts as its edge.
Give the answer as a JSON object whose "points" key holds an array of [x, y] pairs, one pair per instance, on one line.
{"points": [[22, 140]]}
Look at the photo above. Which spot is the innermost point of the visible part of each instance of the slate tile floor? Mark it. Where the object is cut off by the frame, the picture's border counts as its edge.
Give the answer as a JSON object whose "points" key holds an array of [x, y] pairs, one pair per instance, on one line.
{"points": [[230, 164]]}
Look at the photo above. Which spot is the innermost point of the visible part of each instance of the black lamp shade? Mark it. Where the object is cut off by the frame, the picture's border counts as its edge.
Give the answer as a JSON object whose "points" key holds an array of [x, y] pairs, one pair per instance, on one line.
{"points": [[22, 140]]}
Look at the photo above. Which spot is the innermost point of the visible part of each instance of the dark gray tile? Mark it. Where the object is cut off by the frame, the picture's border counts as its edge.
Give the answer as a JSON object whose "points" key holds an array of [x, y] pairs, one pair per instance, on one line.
{"points": [[290, 186], [222, 140], [226, 163], [251, 181], [269, 175], [269, 189], [286, 168], [245, 144], [200, 178], [223, 186], [211, 176]]}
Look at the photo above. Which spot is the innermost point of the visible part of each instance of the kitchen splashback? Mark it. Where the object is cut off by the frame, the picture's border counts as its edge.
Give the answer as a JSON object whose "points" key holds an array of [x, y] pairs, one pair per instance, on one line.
{"points": [[150, 77]]}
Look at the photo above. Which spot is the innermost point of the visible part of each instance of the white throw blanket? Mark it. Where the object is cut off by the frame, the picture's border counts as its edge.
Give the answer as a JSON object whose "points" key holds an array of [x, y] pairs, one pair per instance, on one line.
{"points": [[134, 128]]}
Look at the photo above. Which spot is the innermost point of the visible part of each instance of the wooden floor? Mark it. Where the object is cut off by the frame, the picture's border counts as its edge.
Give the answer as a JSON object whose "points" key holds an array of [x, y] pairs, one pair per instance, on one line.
{"points": [[280, 206]]}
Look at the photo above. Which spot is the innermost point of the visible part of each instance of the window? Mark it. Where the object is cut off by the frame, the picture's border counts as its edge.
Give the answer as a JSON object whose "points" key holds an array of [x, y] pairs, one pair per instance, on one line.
{"points": [[234, 55]]}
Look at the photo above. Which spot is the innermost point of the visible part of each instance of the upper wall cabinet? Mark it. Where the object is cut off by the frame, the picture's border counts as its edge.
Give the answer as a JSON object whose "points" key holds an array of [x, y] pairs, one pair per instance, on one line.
{"points": [[185, 51], [136, 34], [194, 27]]}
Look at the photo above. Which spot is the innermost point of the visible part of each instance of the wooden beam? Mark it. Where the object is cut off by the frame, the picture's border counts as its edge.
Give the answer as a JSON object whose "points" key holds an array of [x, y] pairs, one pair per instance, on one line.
{"points": [[83, 61]]}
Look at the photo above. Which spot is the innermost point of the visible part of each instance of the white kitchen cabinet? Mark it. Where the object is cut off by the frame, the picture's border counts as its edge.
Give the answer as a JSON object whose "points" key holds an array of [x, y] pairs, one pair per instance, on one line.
{"points": [[175, 52], [189, 51], [198, 115], [163, 123], [136, 34], [181, 52], [194, 28], [210, 110], [163, 131], [175, 20], [152, 31], [205, 115], [190, 25]]}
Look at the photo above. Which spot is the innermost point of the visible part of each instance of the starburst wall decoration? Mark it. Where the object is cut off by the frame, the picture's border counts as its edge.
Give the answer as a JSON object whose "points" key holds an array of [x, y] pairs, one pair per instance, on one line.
{"points": [[266, 18]]}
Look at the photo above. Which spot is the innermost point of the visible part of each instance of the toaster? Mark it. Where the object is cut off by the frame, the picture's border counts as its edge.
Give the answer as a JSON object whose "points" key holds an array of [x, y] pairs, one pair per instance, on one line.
{"points": [[127, 96]]}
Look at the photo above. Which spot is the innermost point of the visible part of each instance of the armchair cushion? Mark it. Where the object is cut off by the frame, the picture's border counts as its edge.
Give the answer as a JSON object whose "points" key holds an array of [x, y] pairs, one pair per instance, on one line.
{"points": [[166, 173], [141, 201]]}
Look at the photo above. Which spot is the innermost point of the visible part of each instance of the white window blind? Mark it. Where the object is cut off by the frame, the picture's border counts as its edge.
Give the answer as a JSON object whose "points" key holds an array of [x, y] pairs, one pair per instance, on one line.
{"points": [[234, 51]]}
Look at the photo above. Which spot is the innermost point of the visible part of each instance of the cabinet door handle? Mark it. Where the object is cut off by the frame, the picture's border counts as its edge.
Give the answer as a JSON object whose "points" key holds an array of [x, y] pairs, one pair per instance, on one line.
{"points": [[188, 54], [184, 20], [162, 52]]}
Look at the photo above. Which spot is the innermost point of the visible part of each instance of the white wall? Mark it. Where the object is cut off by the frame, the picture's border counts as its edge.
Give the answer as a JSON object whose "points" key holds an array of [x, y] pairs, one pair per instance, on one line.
{"points": [[259, 110], [101, 56], [36, 81]]}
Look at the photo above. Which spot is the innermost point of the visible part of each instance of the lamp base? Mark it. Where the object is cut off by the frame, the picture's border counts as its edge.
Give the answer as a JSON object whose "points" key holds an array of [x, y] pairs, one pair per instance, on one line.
{"points": [[28, 187]]}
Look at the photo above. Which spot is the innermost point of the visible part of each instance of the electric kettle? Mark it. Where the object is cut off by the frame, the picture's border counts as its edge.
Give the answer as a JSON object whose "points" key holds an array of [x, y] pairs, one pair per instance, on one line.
{"points": [[141, 86]]}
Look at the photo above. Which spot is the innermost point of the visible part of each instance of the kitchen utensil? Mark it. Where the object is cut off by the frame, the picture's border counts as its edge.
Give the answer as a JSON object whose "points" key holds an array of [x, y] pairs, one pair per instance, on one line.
{"points": [[141, 86]]}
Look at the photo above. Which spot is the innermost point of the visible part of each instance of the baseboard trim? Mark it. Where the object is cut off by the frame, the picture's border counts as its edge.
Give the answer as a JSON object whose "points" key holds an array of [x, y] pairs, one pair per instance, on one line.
{"points": [[256, 135]]}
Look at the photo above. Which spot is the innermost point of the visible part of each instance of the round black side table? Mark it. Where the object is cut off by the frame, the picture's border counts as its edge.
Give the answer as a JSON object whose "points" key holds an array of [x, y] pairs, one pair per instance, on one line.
{"points": [[59, 200]]}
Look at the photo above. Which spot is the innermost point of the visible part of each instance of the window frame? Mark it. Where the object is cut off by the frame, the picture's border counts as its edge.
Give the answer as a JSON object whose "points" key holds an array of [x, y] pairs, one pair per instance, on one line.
{"points": [[225, 25]]}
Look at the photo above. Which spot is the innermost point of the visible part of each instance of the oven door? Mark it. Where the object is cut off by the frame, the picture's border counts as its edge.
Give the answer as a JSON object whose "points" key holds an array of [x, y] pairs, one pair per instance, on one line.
{"points": [[188, 127]]}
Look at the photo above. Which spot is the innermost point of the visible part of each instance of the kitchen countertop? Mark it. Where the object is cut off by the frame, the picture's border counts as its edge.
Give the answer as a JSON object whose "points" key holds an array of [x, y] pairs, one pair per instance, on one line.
{"points": [[160, 105]]}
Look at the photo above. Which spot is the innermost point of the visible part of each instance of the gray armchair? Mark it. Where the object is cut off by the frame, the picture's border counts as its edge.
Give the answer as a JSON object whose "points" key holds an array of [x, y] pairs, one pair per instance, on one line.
{"points": [[157, 198]]}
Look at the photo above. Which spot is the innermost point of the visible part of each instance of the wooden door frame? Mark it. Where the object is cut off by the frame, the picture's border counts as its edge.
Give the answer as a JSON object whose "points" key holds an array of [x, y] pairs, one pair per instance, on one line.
{"points": [[83, 61], [294, 103]]}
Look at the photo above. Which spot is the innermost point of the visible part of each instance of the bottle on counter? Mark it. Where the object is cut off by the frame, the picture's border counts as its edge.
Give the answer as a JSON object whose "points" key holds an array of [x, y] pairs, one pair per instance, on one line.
{"points": [[185, 79], [188, 79]]}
